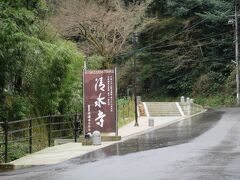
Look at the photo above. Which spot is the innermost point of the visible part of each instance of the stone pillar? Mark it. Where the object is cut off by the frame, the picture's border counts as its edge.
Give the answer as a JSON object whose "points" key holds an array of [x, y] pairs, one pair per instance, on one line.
{"points": [[139, 100], [182, 99], [188, 105]]}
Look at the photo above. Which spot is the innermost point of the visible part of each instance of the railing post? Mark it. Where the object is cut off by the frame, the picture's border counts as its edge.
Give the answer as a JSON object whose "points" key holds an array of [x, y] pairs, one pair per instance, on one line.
{"points": [[49, 130], [123, 111], [76, 127], [30, 135], [128, 107], [6, 140]]}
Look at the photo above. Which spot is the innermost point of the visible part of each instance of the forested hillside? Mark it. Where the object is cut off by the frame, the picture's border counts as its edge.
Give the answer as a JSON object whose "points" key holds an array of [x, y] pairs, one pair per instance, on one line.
{"points": [[185, 47], [188, 49]]}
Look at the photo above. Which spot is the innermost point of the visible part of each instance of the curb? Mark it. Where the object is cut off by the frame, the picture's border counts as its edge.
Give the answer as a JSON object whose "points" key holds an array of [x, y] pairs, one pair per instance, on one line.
{"points": [[9, 167], [6, 166]]}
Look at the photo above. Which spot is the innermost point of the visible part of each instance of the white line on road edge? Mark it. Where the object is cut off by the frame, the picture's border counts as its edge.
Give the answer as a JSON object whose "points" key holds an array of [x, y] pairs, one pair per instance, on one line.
{"points": [[180, 109], [138, 112], [146, 109]]}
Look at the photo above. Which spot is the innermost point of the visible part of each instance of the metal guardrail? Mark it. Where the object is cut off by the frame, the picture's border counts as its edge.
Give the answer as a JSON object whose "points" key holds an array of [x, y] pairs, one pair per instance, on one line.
{"points": [[35, 133], [30, 129]]}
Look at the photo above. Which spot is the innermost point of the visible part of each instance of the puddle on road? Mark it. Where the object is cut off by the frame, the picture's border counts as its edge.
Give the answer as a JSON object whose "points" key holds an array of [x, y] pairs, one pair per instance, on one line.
{"points": [[177, 133]]}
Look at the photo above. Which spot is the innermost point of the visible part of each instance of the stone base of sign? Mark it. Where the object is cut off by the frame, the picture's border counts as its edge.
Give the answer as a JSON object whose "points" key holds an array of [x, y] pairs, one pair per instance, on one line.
{"points": [[104, 138]]}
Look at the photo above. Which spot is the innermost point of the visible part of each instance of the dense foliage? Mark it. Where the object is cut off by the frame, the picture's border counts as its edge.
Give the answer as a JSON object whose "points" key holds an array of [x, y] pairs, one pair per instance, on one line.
{"points": [[39, 72], [185, 48]]}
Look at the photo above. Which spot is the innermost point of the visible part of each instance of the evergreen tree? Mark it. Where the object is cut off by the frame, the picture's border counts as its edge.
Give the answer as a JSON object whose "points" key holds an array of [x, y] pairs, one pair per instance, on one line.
{"points": [[189, 44]]}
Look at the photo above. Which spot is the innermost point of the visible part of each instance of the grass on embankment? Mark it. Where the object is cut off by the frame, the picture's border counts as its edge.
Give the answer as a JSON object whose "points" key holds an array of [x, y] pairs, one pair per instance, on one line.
{"points": [[125, 111], [217, 100], [214, 101]]}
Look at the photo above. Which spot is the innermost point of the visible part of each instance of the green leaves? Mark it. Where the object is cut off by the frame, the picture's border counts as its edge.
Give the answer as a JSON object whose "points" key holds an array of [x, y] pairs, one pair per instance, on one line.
{"points": [[187, 48], [36, 66]]}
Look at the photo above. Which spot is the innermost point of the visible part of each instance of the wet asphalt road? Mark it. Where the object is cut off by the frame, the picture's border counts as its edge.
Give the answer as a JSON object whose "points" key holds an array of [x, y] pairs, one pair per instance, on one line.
{"points": [[204, 147]]}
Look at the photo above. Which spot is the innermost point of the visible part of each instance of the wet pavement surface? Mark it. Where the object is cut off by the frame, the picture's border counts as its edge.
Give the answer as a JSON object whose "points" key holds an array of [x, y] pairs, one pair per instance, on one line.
{"points": [[174, 134], [204, 147]]}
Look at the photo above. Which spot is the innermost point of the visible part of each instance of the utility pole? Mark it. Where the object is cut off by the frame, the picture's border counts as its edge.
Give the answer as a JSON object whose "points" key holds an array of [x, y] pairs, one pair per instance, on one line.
{"points": [[134, 40], [86, 58], [234, 22], [85, 63], [237, 53]]}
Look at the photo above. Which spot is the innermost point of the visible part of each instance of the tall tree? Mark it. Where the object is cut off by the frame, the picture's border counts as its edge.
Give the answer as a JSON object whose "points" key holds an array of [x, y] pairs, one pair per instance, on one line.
{"points": [[104, 25], [189, 44]]}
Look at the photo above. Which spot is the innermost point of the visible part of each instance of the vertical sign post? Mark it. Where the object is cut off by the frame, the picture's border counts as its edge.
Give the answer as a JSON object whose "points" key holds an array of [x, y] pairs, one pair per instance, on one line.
{"points": [[100, 111]]}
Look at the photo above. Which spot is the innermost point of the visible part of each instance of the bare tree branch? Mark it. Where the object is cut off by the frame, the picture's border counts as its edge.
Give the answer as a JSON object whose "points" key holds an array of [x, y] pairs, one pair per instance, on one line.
{"points": [[105, 25]]}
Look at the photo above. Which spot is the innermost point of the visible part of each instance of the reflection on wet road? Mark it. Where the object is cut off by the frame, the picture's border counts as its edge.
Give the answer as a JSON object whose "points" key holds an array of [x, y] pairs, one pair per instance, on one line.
{"points": [[177, 133]]}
